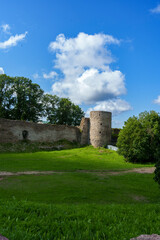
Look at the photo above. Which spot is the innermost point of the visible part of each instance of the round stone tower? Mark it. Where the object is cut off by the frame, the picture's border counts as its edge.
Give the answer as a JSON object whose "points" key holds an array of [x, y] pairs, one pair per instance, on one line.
{"points": [[100, 128]]}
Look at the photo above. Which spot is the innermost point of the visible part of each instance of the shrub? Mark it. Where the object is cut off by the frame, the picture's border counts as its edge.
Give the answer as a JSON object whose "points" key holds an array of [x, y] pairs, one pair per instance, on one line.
{"points": [[157, 173], [139, 140], [115, 134]]}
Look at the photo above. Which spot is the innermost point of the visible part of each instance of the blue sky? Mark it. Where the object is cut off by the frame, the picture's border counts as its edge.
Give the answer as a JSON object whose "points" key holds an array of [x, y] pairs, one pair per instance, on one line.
{"points": [[103, 55]]}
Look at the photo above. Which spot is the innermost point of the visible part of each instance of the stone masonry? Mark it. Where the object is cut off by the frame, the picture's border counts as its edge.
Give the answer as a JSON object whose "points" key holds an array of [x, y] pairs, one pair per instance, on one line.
{"points": [[95, 130], [100, 128], [85, 131], [15, 130]]}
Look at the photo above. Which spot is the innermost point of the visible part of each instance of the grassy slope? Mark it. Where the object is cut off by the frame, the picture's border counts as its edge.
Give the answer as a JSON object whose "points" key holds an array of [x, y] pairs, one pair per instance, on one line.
{"points": [[84, 188], [78, 214], [27, 146], [86, 158]]}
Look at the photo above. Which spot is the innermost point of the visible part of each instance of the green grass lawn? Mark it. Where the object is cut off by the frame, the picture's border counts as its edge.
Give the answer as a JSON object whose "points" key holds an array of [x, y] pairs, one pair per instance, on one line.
{"points": [[87, 158], [78, 188], [24, 220], [90, 204]]}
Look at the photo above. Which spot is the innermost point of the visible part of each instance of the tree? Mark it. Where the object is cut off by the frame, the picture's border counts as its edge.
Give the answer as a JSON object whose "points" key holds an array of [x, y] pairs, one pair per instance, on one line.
{"points": [[28, 105], [50, 106], [7, 96], [139, 140], [20, 99], [77, 115], [157, 173], [61, 110]]}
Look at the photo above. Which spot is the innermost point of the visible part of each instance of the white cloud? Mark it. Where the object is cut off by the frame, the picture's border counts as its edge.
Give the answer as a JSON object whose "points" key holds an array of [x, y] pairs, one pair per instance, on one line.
{"points": [[50, 75], [12, 41], [156, 9], [83, 51], [5, 28], [157, 101], [116, 106], [1, 70], [91, 86], [84, 62]]}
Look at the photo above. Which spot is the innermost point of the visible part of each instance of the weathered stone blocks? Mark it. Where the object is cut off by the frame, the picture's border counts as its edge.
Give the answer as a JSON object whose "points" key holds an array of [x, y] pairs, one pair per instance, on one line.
{"points": [[95, 131], [3, 238], [147, 237], [85, 128], [15, 130], [100, 128]]}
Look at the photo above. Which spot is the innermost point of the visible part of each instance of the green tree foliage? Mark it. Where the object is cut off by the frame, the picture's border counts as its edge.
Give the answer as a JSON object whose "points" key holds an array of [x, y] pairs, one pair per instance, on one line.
{"points": [[20, 99], [7, 97], [50, 105], [157, 173], [28, 104], [139, 140], [61, 110]]}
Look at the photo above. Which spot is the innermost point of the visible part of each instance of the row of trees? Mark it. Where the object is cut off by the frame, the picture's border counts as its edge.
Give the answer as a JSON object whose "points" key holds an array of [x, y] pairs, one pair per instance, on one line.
{"points": [[20, 99]]}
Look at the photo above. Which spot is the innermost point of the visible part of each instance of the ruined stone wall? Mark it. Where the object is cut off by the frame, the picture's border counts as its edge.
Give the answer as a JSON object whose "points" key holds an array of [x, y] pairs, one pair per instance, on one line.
{"points": [[85, 129], [100, 128], [15, 130], [95, 131]]}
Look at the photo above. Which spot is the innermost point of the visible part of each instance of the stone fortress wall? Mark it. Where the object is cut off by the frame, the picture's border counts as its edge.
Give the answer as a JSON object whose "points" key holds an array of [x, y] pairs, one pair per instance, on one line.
{"points": [[95, 130], [15, 130]]}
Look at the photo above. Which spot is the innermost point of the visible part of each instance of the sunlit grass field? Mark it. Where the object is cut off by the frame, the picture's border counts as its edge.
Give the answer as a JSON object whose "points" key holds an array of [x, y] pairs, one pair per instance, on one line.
{"points": [[87, 158], [27, 220], [82, 199]]}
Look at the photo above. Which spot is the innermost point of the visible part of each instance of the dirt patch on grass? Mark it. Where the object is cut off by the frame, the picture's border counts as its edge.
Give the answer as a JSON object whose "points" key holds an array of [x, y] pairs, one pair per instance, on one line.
{"points": [[139, 198], [144, 170], [29, 173], [105, 151]]}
